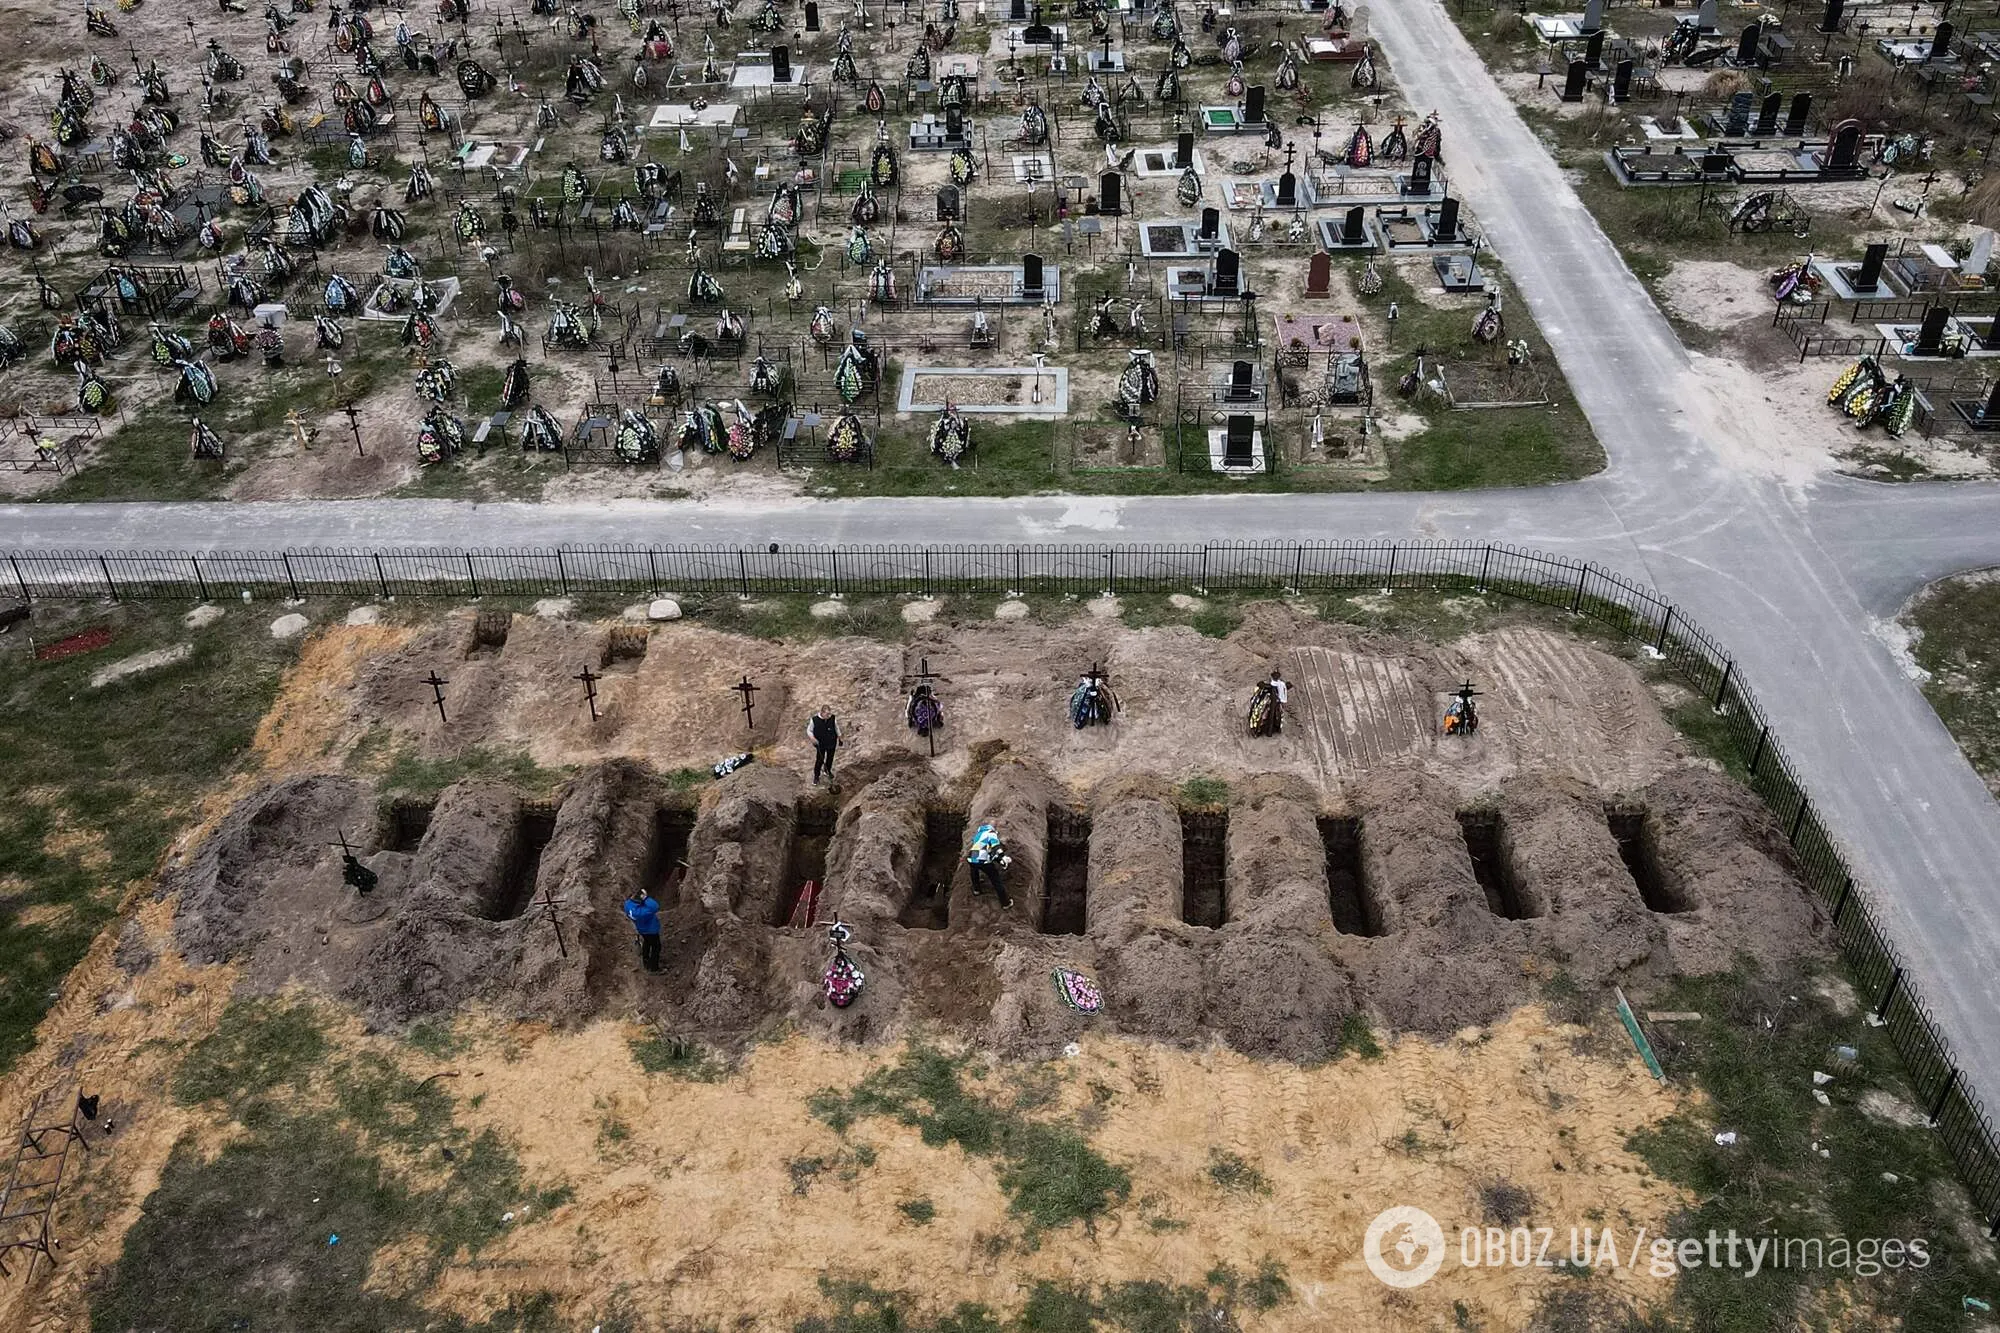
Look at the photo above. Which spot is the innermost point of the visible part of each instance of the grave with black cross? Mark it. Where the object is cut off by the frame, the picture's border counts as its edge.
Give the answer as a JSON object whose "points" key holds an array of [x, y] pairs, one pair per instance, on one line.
{"points": [[1227, 276]]}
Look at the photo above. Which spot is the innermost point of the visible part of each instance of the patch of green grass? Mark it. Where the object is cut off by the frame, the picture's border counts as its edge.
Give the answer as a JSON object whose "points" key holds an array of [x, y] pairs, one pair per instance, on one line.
{"points": [[409, 774], [1753, 1055], [1230, 1171], [102, 780], [257, 1045], [1885, 464], [437, 1038], [859, 1306], [1204, 792], [1957, 623], [1049, 1172], [680, 1057], [280, 1228], [1357, 1037], [920, 1211]]}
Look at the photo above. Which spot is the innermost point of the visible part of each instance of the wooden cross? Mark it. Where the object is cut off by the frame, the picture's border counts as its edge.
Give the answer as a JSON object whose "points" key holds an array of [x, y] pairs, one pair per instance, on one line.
{"points": [[746, 689], [437, 685], [589, 679], [923, 675], [548, 902]]}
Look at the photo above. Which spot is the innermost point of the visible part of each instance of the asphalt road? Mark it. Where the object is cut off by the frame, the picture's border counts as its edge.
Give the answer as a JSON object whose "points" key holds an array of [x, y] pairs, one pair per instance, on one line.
{"points": [[1794, 578]]}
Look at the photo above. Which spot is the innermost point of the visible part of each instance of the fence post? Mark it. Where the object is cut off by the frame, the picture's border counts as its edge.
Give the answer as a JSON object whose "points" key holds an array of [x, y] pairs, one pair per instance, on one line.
{"points": [[927, 573], [1019, 581], [1485, 562], [1576, 598], [1660, 643], [291, 579], [1201, 586], [1798, 820], [1937, 1106], [652, 571], [1389, 578], [471, 574], [109, 586], [1840, 903], [1889, 993], [200, 583], [836, 571], [19, 579], [1722, 689], [562, 571], [1757, 754], [1110, 570], [381, 577], [1299, 566], [743, 571]]}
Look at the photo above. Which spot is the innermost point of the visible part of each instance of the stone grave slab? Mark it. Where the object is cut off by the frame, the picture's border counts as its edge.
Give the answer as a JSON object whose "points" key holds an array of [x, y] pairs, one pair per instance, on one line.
{"points": [[1236, 449], [1167, 238], [994, 284], [1033, 167], [682, 116], [1459, 273], [753, 71], [1160, 162], [445, 288], [932, 134], [1337, 235], [1687, 133], [989, 390]]}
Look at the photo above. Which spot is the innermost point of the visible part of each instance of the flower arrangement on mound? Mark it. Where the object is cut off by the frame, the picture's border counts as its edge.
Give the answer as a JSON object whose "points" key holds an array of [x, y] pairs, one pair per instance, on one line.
{"points": [[951, 436], [846, 439]]}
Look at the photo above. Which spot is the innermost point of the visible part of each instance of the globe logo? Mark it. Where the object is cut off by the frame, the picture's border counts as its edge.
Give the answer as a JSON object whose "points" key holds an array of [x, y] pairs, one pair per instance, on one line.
{"points": [[1404, 1246]]}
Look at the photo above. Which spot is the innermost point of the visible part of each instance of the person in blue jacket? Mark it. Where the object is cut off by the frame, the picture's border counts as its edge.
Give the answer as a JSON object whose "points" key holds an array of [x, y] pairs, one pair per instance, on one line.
{"points": [[989, 862], [644, 910]]}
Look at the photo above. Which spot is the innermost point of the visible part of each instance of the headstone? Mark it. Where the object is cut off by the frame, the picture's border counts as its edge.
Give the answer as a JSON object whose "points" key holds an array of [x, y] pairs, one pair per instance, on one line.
{"points": [[1746, 45], [1869, 276], [1447, 220], [1930, 337], [1253, 104], [1830, 21], [1211, 224], [1767, 115], [954, 125], [1579, 74], [1737, 119], [1593, 17], [1352, 229], [1241, 388], [1227, 273], [1288, 190], [781, 64], [1940, 44], [947, 204], [1980, 256], [1715, 162], [1420, 177], [1239, 435], [1846, 143], [1991, 412], [1621, 81], [1319, 273], [812, 15], [1798, 114], [1031, 275], [1110, 194], [1017, 11], [1704, 18], [1184, 151], [1593, 50]]}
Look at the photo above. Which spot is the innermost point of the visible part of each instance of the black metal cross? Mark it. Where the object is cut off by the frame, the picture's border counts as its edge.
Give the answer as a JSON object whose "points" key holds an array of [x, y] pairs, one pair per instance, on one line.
{"points": [[354, 424], [548, 902], [746, 689], [352, 872], [437, 688], [1289, 152], [923, 675], [589, 679]]}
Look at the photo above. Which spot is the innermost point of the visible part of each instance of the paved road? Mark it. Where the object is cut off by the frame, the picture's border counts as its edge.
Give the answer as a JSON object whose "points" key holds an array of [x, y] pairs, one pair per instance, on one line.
{"points": [[1794, 578]]}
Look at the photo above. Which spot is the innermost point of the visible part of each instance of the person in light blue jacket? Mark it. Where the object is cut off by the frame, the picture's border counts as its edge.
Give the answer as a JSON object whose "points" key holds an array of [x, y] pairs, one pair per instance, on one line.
{"points": [[989, 862]]}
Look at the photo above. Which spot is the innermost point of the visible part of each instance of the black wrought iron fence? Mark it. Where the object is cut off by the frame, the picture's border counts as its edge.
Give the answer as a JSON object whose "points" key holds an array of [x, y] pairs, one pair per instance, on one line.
{"points": [[1618, 604]]}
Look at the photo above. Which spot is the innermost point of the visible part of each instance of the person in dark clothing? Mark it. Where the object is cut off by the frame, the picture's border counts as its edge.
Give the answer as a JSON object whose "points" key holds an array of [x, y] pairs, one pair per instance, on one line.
{"points": [[825, 733], [644, 910]]}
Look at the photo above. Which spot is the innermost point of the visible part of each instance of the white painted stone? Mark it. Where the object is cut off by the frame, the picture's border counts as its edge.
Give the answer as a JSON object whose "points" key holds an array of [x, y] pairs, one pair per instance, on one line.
{"points": [[202, 616], [365, 615], [289, 627], [1011, 611], [1181, 601], [663, 608], [828, 610], [1106, 607], [922, 611], [132, 666], [554, 608]]}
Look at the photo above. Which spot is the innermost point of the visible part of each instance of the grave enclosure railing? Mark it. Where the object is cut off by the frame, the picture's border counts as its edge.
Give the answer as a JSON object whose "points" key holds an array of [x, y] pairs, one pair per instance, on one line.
{"points": [[1586, 590]]}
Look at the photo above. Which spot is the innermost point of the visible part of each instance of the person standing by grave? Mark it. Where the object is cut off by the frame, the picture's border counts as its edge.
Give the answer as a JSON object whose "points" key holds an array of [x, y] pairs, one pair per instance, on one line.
{"points": [[644, 911], [989, 862], [825, 733]]}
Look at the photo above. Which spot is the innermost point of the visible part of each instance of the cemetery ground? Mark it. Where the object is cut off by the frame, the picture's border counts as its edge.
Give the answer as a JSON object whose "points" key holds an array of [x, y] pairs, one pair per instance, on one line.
{"points": [[1954, 647], [1714, 279], [505, 1137]]}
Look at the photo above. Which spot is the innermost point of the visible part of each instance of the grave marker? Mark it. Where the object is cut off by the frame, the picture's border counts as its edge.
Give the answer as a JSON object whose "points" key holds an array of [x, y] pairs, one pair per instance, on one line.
{"points": [[1319, 274], [1227, 273], [1930, 337], [1746, 45], [781, 64], [1211, 224], [1288, 190], [1593, 51], [1447, 220], [1767, 115], [1868, 277], [1940, 44], [1184, 151], [1110, 194], [1797, 114], [1573, 82], [948, 204], [812, 15], [1238, 436], [1829, 22], [954, 125], [1352, 229], [1253, 103], [1704, 19], [1737, 119], [1031, 275], [1846, 143], [1017, 11], [1241, 388], [1420, 177], [1593, 17], [1991, 412], [1980, 256], [1621, 81]]}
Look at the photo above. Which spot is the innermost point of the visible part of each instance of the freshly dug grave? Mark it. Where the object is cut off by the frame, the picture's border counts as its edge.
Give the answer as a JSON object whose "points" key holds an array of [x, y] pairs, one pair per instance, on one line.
{"points": [[1464, 910]]}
